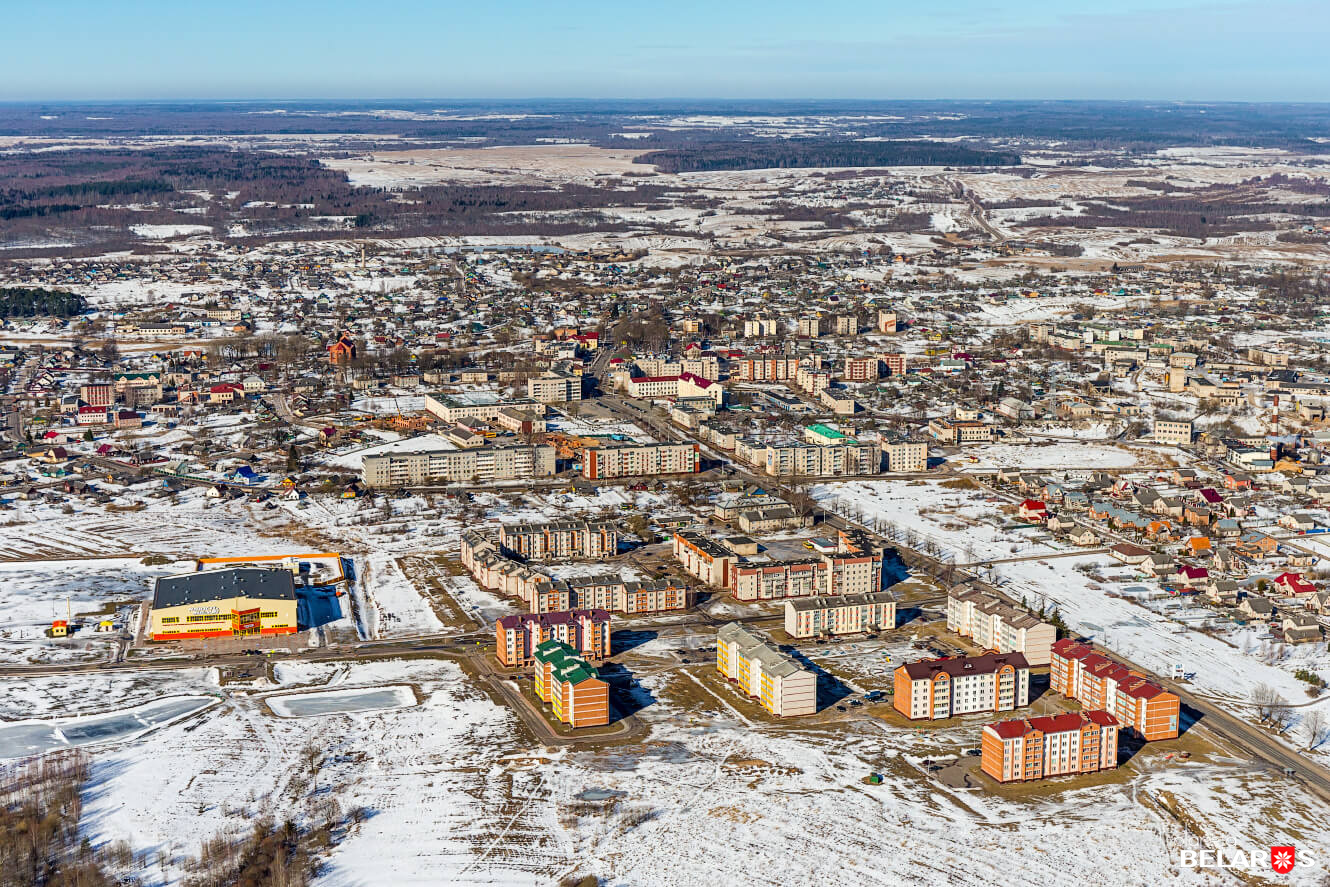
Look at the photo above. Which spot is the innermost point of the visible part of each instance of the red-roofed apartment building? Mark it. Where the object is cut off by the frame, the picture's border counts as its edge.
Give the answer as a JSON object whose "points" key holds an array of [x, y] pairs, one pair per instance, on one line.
{"points": [[1098, 682], [518, 636], [1037, 748]]}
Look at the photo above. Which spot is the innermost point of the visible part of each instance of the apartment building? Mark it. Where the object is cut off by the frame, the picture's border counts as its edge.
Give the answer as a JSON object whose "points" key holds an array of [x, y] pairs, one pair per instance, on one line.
{"points": [[1173, 432], [848, 457], [861, 369], [844, 614], [560, 539], [571, 686], [587, 632], [759, 327], [453, 408], [894, 363], [633, 460], [957, 432], [97, 394], [812, 380], [782, 686], [905, 456], [942, 688], [707, 560], [998, 626], [476, 465], [810, 326], [886, 321], [682, 386], [1039, 748], [765, 369], [541, 593], [1094, 680], [854, 567], [559, 386]]}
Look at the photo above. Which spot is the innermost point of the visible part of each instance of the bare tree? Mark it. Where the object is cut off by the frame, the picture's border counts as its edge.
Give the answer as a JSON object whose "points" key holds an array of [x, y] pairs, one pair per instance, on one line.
{"points": [[1316, 728]]}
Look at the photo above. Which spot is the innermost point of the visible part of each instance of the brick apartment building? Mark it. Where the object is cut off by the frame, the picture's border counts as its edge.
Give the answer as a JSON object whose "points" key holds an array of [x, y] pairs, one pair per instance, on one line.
{"points": [[942, 688], [560, 539], [570, 685], [1097, 682], [518, 636], [1038, 748]]}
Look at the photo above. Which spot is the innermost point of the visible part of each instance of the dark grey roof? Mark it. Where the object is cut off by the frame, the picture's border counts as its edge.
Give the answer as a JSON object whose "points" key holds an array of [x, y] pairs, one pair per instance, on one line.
{"points": [[219, 585]]}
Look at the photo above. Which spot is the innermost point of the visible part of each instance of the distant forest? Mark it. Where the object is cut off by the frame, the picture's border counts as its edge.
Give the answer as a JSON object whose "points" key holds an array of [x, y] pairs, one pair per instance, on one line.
{"points": [[804, 153], [24, 302]]}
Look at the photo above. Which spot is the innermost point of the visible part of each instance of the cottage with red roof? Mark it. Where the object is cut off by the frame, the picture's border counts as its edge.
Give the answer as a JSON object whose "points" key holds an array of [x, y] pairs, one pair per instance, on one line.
{"points": [[1293, 583], [1034, 510]]}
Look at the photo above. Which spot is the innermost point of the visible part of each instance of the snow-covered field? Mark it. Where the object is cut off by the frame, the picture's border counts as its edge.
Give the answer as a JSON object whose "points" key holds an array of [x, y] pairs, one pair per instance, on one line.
{"points": [[455, 795], [1063, 454]]}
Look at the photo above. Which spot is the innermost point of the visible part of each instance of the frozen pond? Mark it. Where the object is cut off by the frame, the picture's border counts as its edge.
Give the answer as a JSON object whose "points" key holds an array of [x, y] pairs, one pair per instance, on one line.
{"points": [[330, 702], [19, 739]]}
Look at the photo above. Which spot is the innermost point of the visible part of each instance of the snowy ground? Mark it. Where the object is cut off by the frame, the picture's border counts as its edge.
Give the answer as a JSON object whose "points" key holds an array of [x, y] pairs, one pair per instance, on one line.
{"points": [[456, 796]]}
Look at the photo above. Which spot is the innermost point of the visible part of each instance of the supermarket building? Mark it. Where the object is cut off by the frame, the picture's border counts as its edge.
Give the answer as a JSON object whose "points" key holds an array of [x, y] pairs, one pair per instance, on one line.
{"points": [[231, 602]]}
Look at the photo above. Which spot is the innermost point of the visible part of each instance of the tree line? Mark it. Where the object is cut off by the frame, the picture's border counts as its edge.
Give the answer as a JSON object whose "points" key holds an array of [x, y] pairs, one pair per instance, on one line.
{"points": [[803, 153], [18, 301]]}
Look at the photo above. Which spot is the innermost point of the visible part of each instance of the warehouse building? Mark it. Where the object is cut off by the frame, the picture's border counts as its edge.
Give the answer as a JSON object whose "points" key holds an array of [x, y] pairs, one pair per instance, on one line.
{"points": [[843, 614], [781, 685], [238, 602], [1038, 748], [963, 685], [570, 685]]}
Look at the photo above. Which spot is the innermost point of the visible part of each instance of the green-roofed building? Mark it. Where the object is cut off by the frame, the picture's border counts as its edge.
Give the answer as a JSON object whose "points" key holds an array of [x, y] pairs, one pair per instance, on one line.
{"points": [[571, 686]]}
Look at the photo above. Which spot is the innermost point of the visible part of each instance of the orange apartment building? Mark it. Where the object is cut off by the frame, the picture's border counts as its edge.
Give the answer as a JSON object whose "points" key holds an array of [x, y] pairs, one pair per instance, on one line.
{"points": [[570, 685], [1038, 748], [1097, 682], [942, 688], [635, 460], [586, 631]]}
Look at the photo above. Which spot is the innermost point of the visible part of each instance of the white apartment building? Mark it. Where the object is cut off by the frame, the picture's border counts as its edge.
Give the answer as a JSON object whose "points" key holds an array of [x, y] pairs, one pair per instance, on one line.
{"points": [[635, 460], [1173, 432], [554, 387], [478, 465], [845, 614], [996, 625], [942, 688], [905, 456]]}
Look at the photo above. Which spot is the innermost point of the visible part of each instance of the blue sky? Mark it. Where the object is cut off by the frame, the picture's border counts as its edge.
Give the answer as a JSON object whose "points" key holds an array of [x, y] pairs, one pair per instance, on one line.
{"points": [[1132, 49]]}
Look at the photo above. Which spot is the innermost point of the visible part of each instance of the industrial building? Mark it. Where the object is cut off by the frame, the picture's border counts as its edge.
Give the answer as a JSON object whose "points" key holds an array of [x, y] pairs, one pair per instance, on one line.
{"points": [[942, 688], [1038, 748], [1094, 680], [570, 685], [842, 614], [781, 685], [587, 632], [234, 602]]}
